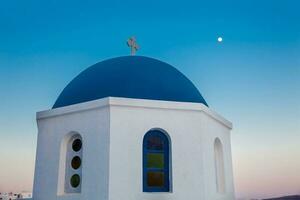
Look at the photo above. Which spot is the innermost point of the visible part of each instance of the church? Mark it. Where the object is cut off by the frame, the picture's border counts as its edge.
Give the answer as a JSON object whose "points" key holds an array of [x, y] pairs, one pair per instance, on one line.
{"points": [[132, 128]]}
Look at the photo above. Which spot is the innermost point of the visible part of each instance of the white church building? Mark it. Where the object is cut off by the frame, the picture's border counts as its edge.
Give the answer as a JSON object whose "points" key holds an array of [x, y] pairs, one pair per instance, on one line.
{"points": [[132, 128]]}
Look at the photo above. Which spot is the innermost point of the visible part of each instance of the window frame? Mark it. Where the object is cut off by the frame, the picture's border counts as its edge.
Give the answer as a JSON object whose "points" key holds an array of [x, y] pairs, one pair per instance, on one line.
{"points": [[69, 170], [166, 168]]}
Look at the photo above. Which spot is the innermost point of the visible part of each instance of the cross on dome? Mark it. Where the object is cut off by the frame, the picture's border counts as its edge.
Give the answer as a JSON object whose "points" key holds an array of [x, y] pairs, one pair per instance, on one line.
{"points": [[131, 42]]}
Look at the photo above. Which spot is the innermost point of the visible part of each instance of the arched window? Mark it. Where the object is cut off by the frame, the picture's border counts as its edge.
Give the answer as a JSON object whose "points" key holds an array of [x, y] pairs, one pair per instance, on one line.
{"points": [[156, 162], [73, 174], [219, 166]]}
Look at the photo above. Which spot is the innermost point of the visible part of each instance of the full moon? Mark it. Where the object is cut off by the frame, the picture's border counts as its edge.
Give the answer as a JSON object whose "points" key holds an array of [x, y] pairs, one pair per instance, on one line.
{"points": [[220, 39]]}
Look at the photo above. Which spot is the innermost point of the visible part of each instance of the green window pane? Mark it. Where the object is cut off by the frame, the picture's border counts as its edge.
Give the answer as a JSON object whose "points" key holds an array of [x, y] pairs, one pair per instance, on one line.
{"points": [[75, 180], [155, 160], [155, 179]]}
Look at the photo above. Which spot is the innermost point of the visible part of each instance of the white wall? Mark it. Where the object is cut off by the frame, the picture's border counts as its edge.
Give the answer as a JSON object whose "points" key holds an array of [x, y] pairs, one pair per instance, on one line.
{"points": [[53, 126], [112, 130], [192, 129], [214, 129]]}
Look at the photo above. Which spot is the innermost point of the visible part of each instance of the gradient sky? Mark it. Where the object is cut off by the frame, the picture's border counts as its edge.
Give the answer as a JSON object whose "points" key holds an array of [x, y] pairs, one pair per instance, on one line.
{"points": [[252, 78]]}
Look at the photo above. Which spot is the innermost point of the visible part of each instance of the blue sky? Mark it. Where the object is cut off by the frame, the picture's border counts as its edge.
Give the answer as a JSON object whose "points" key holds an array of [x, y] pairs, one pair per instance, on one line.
{"points": [[252, 77]]}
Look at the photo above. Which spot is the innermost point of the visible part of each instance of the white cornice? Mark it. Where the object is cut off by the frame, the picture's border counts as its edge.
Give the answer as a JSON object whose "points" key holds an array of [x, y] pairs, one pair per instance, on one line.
{"points": [[128, 102]]}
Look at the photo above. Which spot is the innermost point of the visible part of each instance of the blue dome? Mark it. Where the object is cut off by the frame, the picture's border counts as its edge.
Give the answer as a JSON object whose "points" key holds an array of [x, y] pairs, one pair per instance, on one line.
{"points": [[130, 77]]}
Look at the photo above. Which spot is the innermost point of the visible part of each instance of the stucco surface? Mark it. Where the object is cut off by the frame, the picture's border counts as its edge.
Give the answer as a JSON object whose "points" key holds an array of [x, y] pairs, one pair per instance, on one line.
{"points": [[112, 130]]}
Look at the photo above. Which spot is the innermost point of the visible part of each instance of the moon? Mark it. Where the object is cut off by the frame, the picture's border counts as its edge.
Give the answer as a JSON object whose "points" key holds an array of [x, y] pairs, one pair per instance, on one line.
{"points": [[220, 39]]}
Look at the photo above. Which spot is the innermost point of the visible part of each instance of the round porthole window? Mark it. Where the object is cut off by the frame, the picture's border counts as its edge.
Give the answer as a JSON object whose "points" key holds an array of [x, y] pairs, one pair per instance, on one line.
{"points": [[76, 145], [75, 180], [76, 162]]}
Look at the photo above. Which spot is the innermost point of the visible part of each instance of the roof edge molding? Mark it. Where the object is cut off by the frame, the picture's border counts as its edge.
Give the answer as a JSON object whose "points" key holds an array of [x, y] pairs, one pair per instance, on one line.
{"points": [[127, 102]]}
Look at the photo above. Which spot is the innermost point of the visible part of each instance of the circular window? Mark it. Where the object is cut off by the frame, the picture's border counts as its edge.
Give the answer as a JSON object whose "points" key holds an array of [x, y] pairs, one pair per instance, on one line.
{"points": [[76, 162], [76, 146], [75, 180]]}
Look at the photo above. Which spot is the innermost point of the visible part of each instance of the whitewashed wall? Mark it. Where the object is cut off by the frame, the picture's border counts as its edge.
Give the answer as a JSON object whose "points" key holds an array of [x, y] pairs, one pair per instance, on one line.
{"points": [[112, 130], [53, 126], [192, 129]]}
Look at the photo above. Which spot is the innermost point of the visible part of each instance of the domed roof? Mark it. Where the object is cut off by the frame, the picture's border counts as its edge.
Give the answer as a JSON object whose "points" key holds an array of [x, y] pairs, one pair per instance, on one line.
{"points": [[130, 77]]}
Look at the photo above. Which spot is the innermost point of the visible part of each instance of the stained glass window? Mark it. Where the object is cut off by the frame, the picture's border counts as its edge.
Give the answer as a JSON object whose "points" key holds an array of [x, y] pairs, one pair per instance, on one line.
{"points": [[156, 162], [73, 167]]}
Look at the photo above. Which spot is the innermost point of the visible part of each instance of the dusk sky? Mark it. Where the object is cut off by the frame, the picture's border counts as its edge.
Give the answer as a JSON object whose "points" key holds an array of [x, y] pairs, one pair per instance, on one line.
{"points": [[252, 78]]}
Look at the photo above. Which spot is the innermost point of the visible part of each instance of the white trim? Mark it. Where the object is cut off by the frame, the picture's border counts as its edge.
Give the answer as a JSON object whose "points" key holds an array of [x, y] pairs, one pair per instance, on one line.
{"points": [[129, 102]]}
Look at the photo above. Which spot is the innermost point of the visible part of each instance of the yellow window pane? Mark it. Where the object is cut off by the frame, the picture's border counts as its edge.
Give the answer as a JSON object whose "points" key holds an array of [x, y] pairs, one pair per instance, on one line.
{"points": [[155, 160]]}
